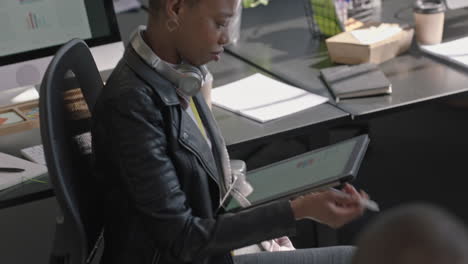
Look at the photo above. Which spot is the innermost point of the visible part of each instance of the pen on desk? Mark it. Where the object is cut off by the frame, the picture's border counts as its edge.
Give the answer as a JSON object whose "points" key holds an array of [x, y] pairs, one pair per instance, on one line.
{"points": [[7, 169]]}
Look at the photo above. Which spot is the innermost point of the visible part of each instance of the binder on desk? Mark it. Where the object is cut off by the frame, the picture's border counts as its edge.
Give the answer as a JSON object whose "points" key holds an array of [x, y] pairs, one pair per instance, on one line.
{"points": [[31, 170], [263, 99], [356, 81], [455, 51]]}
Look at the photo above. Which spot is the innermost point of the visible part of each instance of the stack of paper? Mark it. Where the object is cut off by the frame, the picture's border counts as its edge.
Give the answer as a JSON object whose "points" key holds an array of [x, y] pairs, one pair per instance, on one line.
{"points": [[263, 99], [18, 95], [121, 6], [455, 51], [31, 170], [375, 34]]}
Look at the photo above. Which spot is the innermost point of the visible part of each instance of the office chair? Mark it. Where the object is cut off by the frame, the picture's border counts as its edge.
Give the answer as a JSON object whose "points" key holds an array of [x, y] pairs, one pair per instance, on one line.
{"points": [[65, 126]]}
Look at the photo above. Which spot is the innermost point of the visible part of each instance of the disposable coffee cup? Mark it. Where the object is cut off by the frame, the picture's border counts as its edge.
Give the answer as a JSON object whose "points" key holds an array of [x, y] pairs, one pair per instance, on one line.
{"points": [[429, 21]]}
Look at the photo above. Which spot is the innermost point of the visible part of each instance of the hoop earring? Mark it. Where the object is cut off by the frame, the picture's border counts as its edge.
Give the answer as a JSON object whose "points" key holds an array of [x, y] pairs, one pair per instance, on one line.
{"points": [[172, 24]]}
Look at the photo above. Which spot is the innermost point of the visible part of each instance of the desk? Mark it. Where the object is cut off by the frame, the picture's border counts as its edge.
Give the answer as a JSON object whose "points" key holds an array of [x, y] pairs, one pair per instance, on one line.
{"points": [[416, 154], [266, 41], [238, 131]]}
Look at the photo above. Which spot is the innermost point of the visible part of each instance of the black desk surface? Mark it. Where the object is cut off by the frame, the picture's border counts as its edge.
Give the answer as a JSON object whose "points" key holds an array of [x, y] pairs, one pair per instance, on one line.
{"points": [[276, 38]]}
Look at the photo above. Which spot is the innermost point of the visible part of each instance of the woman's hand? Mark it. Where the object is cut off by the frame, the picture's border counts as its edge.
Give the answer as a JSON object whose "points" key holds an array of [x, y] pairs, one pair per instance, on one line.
{"points": [[331, 207]]}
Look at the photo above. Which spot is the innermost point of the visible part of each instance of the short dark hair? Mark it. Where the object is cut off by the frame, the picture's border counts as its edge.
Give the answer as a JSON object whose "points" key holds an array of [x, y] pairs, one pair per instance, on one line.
{"points": [[413, 233], [154, 5]]}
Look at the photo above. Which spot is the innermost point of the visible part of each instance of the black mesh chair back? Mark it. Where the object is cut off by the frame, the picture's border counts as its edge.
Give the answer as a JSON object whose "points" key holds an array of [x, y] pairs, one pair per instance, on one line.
{"points": [[65, 131]]}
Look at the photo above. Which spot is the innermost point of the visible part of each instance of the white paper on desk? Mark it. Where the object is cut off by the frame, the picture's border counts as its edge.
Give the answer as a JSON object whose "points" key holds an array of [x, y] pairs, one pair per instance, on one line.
{"points": [[125, 5], [455, 51], [263, 99], [375, 34], [18, 95], [31, 170]]}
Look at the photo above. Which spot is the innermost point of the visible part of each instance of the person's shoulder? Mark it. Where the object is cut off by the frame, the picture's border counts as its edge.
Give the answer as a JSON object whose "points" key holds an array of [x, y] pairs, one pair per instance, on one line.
{"points": [[124, 93], [124, 82]]}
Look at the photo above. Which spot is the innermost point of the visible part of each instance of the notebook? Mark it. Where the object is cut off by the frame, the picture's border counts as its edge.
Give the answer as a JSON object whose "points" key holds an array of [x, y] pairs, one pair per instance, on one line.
{"points": [[356, 81], [31, 170], [455, 4], [455, 51], [262, 99], [317, 169]]}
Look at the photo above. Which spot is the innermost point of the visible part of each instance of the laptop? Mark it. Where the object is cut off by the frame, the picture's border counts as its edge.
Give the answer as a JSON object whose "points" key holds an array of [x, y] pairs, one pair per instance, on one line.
{"points": [[318, 169]]}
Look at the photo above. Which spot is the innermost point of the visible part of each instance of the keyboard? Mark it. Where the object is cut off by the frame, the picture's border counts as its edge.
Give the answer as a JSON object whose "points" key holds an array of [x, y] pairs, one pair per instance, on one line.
{"points": [[34, 154]]}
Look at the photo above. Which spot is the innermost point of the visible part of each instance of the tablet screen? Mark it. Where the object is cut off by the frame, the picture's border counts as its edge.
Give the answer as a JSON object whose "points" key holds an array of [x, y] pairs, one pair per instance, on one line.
{"points": [[313, 168]]}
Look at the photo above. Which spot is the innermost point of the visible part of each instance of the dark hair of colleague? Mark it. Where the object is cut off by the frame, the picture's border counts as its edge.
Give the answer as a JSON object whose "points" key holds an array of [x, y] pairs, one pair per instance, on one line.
{"points": [[413, 234]]}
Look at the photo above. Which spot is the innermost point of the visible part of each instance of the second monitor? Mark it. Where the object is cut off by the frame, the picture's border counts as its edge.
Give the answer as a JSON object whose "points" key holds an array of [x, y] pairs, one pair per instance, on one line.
{"points": [[33, 30]]}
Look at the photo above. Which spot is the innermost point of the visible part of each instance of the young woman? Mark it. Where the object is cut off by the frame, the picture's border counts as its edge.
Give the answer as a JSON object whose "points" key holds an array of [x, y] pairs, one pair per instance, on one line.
{"points": [[164, 162]]}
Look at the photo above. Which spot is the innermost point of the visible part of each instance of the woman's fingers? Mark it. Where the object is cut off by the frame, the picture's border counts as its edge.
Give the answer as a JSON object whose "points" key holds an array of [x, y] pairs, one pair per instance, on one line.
{"points": [[332, 207], [349, 189], [343, 198]]}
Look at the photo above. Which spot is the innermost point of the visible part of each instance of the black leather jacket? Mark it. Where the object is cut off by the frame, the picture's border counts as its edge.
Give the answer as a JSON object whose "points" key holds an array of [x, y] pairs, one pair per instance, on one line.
{"points": [[162, 180]]}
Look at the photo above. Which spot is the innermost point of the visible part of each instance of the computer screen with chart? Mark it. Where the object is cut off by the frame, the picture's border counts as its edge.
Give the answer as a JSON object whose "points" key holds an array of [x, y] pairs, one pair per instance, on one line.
{"points": [[33, 30]]}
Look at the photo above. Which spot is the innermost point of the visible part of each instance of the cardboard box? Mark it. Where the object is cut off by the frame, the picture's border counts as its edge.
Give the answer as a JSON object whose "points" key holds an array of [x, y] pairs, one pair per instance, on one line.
{"points": [[345, 48]]}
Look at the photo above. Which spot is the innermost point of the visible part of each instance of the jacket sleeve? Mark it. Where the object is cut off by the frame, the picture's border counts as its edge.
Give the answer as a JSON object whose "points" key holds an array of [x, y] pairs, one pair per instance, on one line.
{"points": [[139, 146]]}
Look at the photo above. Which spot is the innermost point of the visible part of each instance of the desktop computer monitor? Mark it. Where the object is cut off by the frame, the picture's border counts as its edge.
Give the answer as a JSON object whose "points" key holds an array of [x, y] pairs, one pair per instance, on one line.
{"points": [[33, 30]]}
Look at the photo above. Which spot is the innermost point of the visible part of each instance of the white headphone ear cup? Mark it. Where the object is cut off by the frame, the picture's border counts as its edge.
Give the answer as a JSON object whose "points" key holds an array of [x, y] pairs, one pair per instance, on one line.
{"points": [[190, 84], [191, 79]]}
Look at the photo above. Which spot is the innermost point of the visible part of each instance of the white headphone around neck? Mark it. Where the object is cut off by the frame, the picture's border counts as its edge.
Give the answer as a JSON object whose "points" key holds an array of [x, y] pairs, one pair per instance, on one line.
{"points": [[188, 78]]}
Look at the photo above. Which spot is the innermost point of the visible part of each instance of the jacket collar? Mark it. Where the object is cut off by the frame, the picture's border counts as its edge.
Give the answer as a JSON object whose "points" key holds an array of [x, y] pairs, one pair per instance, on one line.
{"points": [[166, 90]]}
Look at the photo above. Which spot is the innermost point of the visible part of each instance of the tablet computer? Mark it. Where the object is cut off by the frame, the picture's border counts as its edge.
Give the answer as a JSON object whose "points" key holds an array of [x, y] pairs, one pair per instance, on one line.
{"points": [[325, 167]]}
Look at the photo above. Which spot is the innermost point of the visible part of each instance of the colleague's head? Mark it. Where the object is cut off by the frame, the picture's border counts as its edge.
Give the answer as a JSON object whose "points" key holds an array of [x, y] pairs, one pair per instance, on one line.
{"points": [[193, 30], [413, 234]]}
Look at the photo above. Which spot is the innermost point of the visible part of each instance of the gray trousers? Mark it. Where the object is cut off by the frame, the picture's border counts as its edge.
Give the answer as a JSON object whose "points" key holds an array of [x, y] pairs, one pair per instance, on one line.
{"points": [[325, 255]]}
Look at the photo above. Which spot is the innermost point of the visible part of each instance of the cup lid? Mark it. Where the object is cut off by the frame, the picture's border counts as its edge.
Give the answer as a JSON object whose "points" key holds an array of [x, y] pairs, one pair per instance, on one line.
{"points": [[429, 6]]}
